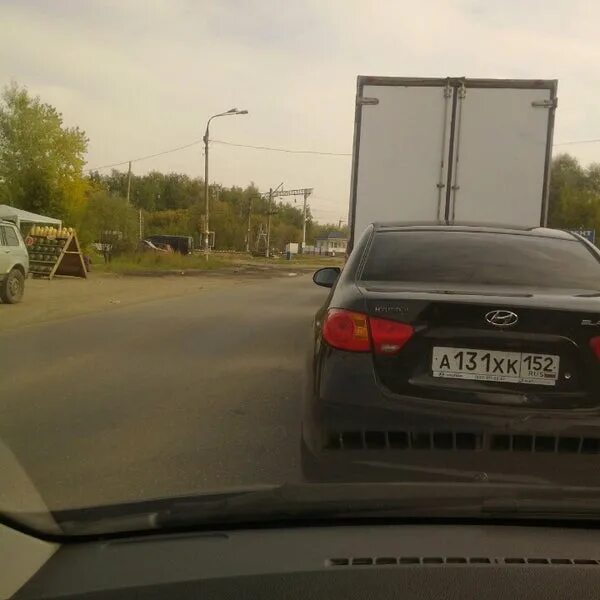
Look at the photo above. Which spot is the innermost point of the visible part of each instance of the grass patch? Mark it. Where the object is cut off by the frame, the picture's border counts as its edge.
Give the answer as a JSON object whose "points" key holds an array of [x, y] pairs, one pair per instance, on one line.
{"points": [[325, 261], [298, 259], [149, 262], [140, 262]]}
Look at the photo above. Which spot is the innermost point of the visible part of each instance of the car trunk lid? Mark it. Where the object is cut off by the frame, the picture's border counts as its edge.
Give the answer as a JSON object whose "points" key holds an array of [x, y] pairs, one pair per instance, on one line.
{"points": [[545, 354]]}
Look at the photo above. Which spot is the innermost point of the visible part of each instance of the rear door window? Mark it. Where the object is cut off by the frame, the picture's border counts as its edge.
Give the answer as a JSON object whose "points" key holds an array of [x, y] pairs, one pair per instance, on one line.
{"points": [[462, 257]]}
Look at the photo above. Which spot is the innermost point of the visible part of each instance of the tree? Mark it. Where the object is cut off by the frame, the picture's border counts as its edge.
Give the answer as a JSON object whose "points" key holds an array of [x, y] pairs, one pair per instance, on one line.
{"points": [[41, 160], [319, 230], [574, 194], [109, 218]]}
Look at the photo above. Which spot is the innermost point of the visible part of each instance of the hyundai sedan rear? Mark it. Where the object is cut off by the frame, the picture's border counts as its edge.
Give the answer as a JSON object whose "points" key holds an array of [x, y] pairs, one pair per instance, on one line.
{"points": [[457, 353]]}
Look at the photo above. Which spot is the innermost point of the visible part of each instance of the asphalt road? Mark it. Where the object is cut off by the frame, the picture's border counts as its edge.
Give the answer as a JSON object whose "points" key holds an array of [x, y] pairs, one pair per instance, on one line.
{"points": [[190, 394]]}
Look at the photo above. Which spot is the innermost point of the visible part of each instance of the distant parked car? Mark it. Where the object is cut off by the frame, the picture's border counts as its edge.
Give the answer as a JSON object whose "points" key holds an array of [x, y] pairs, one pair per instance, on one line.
{"points": [[148, 246], [14, 263], [184, 244], [165, 247]]}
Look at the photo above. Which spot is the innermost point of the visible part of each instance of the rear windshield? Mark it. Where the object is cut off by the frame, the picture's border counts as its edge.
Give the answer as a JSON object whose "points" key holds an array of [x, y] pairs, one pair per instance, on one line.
{"points": [[480, 258]]}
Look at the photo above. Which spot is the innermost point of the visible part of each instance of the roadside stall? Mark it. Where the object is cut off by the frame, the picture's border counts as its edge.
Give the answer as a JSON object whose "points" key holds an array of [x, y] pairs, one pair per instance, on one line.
{"points": [[24, 219], [53, 249]]}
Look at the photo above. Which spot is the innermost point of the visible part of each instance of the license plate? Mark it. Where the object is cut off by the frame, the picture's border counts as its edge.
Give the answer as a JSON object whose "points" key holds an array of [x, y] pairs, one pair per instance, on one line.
{"points": [[491, 365]]}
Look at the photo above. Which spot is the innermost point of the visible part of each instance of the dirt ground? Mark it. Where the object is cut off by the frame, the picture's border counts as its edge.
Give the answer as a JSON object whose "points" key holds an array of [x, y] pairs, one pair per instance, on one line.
{"points": [[66, 297]]}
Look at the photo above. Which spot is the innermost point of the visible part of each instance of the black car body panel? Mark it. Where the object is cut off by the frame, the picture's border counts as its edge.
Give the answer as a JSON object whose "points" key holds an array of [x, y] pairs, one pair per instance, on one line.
{"points": [[184, 244], [372, 416]]}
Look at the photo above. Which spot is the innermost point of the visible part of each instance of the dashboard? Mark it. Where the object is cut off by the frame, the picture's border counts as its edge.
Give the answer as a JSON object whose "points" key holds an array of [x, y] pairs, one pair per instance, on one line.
{"points": [[345, 562]]}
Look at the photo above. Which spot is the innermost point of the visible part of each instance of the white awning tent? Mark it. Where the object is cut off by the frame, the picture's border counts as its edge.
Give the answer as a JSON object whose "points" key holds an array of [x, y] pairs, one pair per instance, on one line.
{"points": [[19, 217]]}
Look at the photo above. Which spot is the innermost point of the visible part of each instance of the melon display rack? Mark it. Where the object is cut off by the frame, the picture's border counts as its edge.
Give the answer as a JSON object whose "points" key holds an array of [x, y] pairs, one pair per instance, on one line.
{"points": [[51, 255]]}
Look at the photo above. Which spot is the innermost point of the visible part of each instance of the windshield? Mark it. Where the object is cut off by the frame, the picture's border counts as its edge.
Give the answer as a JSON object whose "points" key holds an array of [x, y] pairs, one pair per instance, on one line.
{"points": [[251, 267], [440, 257]]}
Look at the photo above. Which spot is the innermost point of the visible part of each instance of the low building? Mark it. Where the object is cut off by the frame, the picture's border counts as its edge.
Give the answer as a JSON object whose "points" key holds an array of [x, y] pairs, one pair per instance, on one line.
{"points": [[335, 243]]}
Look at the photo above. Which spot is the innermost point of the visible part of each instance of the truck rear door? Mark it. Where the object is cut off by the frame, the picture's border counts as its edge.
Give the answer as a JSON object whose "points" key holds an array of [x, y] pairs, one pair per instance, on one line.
{"points": [[403, 133], [500, 148], [454, 149]]}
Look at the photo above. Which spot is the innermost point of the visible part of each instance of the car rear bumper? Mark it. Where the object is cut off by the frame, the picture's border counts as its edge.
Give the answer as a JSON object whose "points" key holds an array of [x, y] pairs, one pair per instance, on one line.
{"points": [[354, 429], [444, 466]]}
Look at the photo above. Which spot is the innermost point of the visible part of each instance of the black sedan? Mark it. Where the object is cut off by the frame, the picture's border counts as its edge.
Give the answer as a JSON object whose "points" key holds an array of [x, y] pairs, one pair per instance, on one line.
{"points": [[457, 353]]}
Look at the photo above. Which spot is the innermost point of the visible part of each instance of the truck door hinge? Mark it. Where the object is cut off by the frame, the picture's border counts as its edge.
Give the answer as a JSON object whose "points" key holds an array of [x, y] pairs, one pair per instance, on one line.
{"points": [[361, 100], [462, 92], [545, 103]]}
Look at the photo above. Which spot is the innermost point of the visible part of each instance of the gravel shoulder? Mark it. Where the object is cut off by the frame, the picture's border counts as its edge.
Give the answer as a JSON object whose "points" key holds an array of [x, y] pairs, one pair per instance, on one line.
{"points": [[63, 298]]}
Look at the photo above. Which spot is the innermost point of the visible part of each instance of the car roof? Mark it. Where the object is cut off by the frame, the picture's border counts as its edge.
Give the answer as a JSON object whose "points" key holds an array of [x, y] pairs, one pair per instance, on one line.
{"points": [[473, 227]]}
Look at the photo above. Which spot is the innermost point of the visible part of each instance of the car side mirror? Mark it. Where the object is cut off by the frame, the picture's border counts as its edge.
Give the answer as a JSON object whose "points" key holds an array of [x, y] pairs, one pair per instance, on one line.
{"points": [[327, 277]]}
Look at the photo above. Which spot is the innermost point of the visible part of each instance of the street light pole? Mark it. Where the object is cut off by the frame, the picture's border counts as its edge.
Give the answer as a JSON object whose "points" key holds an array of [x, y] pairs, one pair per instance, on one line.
{"points": [[249, 225], [231, 111], [304, 221]]}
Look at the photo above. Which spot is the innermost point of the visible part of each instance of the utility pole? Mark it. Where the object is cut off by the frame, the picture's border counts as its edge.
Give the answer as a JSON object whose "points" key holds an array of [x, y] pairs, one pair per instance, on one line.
{"points": [[206, 234], [141, 223], [231, 111], [128, 182], [268, 250], [249, 225], [306, 192], [278, 193]]}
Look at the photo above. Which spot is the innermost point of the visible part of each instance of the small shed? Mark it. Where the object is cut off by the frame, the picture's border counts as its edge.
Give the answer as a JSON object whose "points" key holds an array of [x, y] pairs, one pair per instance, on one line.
{"points": [[334, 243], [22, 217]]}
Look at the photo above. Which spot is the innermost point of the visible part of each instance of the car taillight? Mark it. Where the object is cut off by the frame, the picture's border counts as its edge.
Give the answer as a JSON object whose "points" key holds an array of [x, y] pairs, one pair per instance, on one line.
{"points": [[595, 346], [389, 336], [347, 330]]}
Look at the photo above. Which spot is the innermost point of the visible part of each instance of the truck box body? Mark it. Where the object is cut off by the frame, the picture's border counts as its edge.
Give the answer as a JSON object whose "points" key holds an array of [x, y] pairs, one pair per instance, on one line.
{"points": [[450, 150]]}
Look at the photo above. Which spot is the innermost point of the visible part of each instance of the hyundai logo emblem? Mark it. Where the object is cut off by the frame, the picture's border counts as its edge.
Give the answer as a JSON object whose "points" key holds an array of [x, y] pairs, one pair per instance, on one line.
{"points": [[502, 318]]}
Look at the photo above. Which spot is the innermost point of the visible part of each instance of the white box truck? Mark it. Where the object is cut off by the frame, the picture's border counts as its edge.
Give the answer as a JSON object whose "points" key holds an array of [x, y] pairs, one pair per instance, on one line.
{"points": [[451, 150]]}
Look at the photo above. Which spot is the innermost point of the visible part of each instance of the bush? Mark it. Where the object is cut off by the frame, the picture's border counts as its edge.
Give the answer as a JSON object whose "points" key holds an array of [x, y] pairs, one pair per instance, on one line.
{"points": [[109, 219]]}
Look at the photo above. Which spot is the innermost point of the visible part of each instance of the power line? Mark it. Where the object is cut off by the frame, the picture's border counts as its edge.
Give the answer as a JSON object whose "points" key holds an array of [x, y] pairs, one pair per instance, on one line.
{"points": [[271, 149], [286, 150], [592, 141], [195, 143]]}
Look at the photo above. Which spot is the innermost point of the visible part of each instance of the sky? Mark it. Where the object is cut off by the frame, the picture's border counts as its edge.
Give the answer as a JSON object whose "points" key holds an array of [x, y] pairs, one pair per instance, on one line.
{"points": [[143, 76]]}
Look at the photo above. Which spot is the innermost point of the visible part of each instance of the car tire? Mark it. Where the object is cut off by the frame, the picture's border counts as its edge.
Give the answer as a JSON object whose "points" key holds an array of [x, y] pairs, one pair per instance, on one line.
{"points": [[12, 287]]}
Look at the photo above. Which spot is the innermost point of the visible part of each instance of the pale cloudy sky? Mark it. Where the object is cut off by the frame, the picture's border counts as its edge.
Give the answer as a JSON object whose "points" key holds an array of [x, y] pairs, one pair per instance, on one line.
{"points": [[141, 76]]}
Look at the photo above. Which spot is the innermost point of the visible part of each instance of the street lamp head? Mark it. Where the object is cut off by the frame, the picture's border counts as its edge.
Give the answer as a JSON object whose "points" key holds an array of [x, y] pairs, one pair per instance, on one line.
{"points": [[231, 111], [242, 112]]}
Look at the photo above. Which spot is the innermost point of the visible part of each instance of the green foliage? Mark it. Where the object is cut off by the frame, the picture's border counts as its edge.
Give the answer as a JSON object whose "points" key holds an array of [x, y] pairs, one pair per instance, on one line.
{"points": [[574, 194], [41, 160], [109, 218], [174, 204], [154, 191], [319, 230]]}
